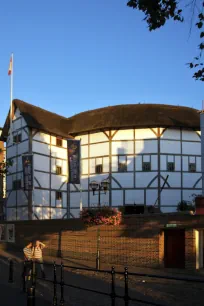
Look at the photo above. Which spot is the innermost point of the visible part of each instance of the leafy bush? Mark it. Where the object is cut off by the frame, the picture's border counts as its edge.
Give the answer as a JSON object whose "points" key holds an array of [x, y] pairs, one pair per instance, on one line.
{"points": [[185, 206], [101, 215]]}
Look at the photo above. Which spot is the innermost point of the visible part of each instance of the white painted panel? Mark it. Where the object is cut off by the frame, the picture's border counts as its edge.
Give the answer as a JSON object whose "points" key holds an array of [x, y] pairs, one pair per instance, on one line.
{"points": [[190, 135], [23, 147], [75, 213], [115, 184], [17, 114], [106, 164], [64, 199], [170, 147], [114, 163], [41, 148], [74, 199], [41, 163], [125, 179], [64, 167], [198, 163], [146, 158], [134, 197], [53, 140], [24, 135], [13, 168], [59, 152], [117, 197], [43, 179], [177, 163], [130, 163], [85, 169], [188, 195], [98, 137], [138, 163], [124, 135], [11, 201], [58, 213], [84, 151], [64, 143], [98, 177], [21, 198], [40, 136], [171, 134], [38, 212], [11, 151], [53, 198], [22, 213], [84, 182], [122, 147], [185, 163], [170, 158], [41, 197], [154, 162], [58, 203], [101, 149], [168, 209], [20, 165], [151, 196], [84, 139], [99, 161], [84, 199], [170, 197], [143, 179], [189, 179], [144, 134], [146, 146], [46, 213], [72, 187], [94, 199], [23, 122], [11, 214], [57, 181], [16, 124], [9, 182], [174, 179], [92, 163], [193, 148], [192, 159]]}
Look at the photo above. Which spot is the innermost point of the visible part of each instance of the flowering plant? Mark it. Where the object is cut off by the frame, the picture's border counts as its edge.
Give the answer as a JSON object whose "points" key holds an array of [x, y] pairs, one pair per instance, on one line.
{"points": [[101, 215]]}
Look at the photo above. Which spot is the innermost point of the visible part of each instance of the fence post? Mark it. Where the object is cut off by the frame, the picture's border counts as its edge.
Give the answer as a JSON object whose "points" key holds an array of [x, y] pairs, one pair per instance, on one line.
{"points": [[10, 280], [126, 296], [33, 277], [31, 296], [55, 285], [62, 285], [24, 276], [98, 250], [113, 286]]}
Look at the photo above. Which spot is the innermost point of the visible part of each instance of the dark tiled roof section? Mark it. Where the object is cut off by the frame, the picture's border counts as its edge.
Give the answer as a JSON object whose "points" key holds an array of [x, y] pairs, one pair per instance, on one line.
{"points": [[135, 115], [41, 119]]}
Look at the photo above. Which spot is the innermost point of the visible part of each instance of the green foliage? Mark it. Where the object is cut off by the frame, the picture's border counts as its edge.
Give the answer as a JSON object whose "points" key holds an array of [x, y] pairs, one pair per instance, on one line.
{"points": [[157, 12], [4, 165], [185, 206]]}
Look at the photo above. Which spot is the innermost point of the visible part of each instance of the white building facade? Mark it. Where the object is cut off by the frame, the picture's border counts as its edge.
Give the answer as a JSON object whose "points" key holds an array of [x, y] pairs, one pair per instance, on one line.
{"points": [[136, 161]]}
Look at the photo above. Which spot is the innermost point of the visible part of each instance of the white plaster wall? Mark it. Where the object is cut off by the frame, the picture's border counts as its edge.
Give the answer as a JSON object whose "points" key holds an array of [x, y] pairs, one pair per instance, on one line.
{"points": [[124, 135], [17, 114], [40, 136], [11, 214], [22, 213], [117, 198], [125, 179], [146, 146], [189, 179], [114, 163], [11, 200], [75, 199], [198, 164], [145, 134], [60, 163], [151, 196], [43, 179], [41, 197], [170, 147], [138, 163], [94, 199], [84, 182], [144, 178], [23, 147], [24, 133], [84, 165], [21, 198], [41, 163], [134, 197], [58, 213], [168, 209], [57, 181], [84, 139], [154, 162], [174, 179], [98, 137], [105, 164], [130, 163], [75, 212], [98, 150], [171, 134], [58, 152], [41, 148], [170, 197], [177, 163], [9, 182], [191, 148], [188, 194], [190, 135], [11, 151], [84, 151]]}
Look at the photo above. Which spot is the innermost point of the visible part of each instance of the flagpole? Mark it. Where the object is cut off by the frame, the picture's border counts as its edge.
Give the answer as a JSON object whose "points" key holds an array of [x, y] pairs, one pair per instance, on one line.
{"points": [[11, 100]]}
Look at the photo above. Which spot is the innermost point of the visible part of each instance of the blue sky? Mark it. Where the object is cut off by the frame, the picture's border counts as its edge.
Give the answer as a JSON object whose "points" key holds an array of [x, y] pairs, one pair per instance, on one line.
{"points": [[72, 56]]}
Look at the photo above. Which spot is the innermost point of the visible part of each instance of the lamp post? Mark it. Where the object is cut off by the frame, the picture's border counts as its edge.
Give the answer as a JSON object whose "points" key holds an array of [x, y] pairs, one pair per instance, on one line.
{"points": [[96, 186]]}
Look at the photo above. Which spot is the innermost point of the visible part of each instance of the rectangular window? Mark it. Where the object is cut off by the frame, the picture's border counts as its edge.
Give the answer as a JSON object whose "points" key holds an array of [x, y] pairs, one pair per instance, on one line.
{"points": [[192, 167], [170, 166], [146, 166], [17, 138], [16, 184], [58, 195], [58, 170], [59, 142], [99, 169]]}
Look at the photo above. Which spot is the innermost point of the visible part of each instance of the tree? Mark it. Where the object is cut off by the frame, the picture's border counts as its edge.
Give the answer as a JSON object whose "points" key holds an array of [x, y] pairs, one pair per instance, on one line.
{"points": [[157, 12], [4, 165]]}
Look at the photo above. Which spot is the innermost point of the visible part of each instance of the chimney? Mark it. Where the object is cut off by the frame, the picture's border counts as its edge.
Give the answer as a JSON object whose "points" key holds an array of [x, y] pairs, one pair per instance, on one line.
{"points": [[202, 144]]}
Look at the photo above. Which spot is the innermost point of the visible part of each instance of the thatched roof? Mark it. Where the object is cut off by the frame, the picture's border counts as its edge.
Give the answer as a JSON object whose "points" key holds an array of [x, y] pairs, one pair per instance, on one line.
{"points": [[135, 115], [112, 117], [39, 118]]}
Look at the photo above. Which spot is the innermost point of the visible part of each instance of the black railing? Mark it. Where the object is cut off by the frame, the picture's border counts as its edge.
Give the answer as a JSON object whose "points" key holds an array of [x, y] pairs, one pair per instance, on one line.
{"points": [[29, 286]]}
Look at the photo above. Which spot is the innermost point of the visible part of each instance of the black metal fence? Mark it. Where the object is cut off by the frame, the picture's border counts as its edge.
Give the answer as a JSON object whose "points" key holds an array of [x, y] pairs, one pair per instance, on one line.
{"points": [[30, 279]]}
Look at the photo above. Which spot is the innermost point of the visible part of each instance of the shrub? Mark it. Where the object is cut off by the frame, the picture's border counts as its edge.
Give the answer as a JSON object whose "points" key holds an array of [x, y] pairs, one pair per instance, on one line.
{"points": [[101, 215], [185, 206]]}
